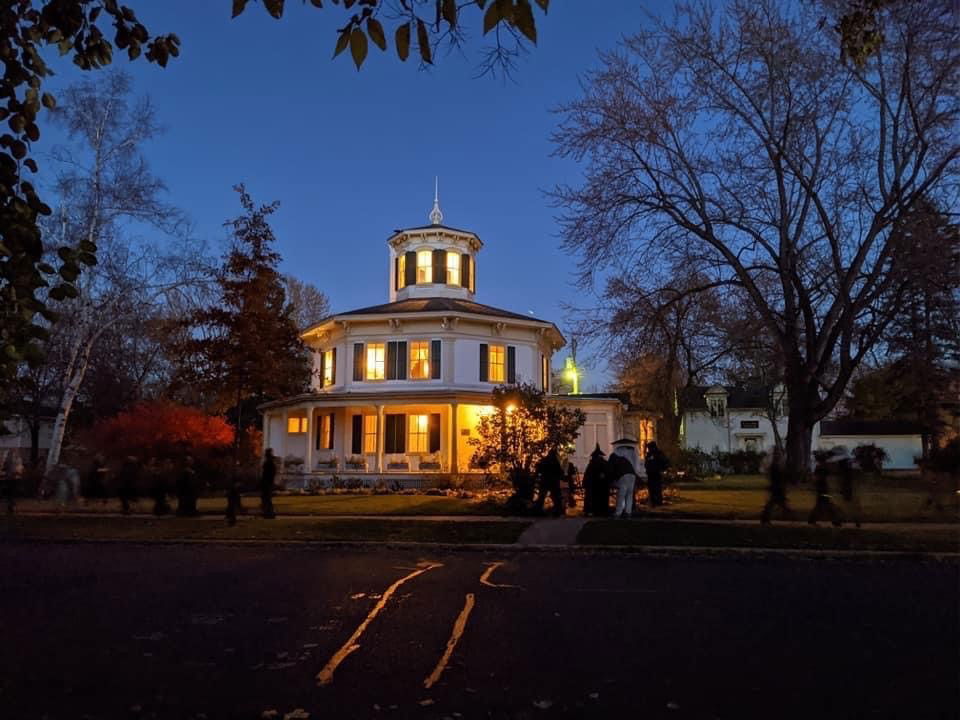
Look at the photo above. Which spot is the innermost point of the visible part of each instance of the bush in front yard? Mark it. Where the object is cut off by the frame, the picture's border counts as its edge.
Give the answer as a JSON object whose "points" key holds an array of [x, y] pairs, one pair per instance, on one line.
{"points": [[741, 462], [870, 458]]}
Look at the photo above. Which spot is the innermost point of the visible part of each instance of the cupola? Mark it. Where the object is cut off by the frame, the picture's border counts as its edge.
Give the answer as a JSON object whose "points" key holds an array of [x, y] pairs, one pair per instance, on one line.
{"points": [[433, 260]]}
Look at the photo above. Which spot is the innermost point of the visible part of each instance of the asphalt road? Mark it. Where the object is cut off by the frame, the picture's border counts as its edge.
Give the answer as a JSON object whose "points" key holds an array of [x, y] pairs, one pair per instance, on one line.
{"points": [[126, 631]]}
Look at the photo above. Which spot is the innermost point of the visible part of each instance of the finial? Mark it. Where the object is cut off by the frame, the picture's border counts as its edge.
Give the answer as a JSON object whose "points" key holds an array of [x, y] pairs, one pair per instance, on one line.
{"points": [[436, 217]]}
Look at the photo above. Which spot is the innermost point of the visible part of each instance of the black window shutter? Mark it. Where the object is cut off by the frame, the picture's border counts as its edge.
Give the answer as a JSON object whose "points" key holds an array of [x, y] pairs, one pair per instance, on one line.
{"points": [[435, 349], [333, 367], [396, 432], [357, 435], [396, 273], [388, 434], [391, 361], [484, 362], [358, 362], [434, 428], [323, 362], [439, 266], [410, 270], [332, 433], [511, 364], [318, 442], [402, 360], [465, 271]]}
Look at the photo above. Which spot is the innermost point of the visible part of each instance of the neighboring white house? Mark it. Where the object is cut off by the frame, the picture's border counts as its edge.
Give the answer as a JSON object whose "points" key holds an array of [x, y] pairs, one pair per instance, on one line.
{"points": [[728, 418], [17, 437], [398, 388], [902, 441]]}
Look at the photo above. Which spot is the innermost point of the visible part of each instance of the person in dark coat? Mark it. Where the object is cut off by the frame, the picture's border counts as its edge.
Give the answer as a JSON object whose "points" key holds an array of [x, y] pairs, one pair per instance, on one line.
{"points": [[549, 472], [848, 489], [129, 480], [572, 484], [97, 480], [824, 507], [655, 464], [778, 489], [267, 478], [596, 487], [158, 487], [187, 489]]}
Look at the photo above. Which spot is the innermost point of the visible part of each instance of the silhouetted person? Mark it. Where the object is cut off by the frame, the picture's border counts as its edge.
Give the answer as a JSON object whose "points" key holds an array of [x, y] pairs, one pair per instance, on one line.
{"points": [[656, 463], [187, 489], [158, 488], [848, 490], [596, 487], [778, 488], [623, 466], [97, 480], [572, 484], [550, 474], [267, 478], [824, 507], [129, 481], [12, 473]]}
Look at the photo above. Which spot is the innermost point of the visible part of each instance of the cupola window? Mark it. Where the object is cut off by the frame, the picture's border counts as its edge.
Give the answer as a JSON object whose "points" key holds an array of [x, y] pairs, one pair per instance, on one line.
{"points": [[424, 266], [401, 272], [453, 268]]}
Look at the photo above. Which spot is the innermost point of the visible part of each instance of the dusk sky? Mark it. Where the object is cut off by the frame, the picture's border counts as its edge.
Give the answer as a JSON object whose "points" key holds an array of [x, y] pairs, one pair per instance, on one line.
{"points": [[352, 155]]}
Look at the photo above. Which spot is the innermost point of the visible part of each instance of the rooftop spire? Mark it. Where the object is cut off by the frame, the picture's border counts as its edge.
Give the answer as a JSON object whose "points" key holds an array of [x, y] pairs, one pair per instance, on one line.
{"points": [[436, 217]]}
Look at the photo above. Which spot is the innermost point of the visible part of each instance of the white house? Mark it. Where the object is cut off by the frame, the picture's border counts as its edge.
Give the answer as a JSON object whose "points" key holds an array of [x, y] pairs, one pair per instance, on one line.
{"points": [[728, 418], [399, 387], [902, 441]]}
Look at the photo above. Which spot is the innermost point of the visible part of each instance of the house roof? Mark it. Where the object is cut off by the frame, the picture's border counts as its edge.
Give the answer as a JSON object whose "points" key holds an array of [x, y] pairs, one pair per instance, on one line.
{"points": [[753, 396], [434, 304], [869, 427], [399, 231]]}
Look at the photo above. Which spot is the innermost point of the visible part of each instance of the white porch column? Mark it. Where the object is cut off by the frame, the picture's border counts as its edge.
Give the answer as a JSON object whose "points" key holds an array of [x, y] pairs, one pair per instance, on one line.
{"points": [[284, 435], [381, 433], [308, 454], [454, 442]]}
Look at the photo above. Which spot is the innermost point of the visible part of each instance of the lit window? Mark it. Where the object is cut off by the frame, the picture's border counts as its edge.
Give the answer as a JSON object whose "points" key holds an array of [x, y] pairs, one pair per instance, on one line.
{"points": [[326, 432], [424, 266], [419, 360], [453, 268], [328, 368], [376, 361], [473, 277], [296, 425], [402, 272], [419, 433], [369, 433], [497, 368]]}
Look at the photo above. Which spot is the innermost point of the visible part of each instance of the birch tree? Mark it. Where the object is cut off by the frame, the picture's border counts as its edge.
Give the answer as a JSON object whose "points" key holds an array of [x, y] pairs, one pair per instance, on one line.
{"points": [[107, 195], [731, 141]]}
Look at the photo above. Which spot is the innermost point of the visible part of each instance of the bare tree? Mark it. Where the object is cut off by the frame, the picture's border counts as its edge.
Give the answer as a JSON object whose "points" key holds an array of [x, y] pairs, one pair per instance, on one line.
{"points": [[731, 141], [107, 192], [310, 303]]}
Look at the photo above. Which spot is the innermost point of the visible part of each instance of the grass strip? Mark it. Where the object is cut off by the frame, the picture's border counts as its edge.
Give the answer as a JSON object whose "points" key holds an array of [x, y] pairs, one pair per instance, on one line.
{"points": [[68, 527], [695, 534]]}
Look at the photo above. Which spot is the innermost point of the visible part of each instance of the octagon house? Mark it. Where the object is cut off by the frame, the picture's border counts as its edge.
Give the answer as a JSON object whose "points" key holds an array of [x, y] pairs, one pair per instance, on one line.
{"points": [[398, 388]]}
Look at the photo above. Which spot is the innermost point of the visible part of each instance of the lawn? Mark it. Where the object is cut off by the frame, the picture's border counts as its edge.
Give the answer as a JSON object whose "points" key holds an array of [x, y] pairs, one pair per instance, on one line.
{"points": [[79, 527], [742, 497], [657, 532]]}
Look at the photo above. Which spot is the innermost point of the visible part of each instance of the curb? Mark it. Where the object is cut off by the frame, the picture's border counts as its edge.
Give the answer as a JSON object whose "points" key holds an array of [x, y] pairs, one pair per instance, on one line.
{"points": [[672, 551]]}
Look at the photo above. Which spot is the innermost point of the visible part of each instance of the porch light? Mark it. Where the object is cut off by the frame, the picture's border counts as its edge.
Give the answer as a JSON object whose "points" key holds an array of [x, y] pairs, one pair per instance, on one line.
{"points": [[571, 373]]}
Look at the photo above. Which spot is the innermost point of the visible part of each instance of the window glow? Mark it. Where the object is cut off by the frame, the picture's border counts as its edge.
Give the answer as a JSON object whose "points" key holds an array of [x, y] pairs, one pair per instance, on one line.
{"points": [[327, 367], [496, 371], [376, 361], [402, 272], [296, 425], [326, 436], [424, 266], [369, 433], [418, 433], [419, 360], [453, 268]]}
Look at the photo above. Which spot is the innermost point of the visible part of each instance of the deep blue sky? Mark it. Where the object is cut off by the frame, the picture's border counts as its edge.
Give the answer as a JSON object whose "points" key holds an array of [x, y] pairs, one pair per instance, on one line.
{"points": [[352, 155]]}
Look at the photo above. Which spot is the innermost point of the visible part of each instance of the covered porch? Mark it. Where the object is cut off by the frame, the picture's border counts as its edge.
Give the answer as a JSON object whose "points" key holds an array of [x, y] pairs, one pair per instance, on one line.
{"points": [[374, 436]]}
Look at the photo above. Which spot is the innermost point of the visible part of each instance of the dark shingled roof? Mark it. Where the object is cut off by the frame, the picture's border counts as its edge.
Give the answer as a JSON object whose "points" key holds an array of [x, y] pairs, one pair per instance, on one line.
{"points": [[438, 304], [869, 427], [754, 396]]}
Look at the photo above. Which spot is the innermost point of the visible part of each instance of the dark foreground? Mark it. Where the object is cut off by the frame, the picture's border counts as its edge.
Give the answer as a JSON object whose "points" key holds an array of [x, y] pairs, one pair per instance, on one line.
{"points": [[127, 631]]}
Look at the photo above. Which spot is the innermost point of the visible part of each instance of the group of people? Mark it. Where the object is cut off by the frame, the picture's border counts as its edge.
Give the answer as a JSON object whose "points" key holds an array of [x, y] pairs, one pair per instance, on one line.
{"points": [[625, 471], [837, 464]]}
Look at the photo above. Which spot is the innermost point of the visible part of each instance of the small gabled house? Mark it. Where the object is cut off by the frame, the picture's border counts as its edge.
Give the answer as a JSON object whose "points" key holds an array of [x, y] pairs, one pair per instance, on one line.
{"points": [[729, 418]]}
